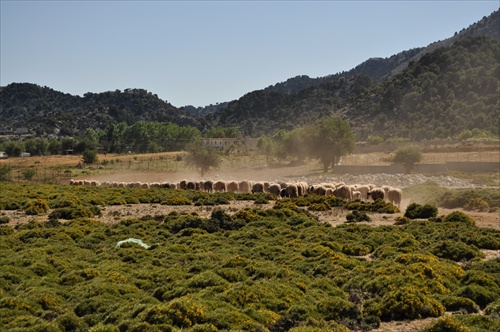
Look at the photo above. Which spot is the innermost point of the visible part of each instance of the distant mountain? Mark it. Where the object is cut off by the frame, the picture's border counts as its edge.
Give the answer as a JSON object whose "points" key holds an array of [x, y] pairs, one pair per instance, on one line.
{"points": [[46, 111], [447, 91], [382, 68]]}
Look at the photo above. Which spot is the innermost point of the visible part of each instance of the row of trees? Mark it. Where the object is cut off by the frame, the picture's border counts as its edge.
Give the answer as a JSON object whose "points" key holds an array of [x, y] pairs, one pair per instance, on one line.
{"points": [[327, 139], [141, 137]]}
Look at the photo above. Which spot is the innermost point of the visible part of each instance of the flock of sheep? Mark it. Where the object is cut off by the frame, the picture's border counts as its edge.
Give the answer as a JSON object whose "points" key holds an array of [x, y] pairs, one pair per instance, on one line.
{"points": [[362, 192]]}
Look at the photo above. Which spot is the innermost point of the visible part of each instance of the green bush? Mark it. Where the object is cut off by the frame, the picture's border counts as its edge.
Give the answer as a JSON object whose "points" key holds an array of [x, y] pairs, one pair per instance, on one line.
{"points": [[335, 308], [479, 294], [379, 206], [402, 220], [408, 303], [493, 309], [458, 216], [36, 207], [355, 249], [73, 212], [319, 207], [455, 250], [456, 303], [417, 211], [356, 216], [477, 204], [447, 324], [176, 200], [4, 220]]}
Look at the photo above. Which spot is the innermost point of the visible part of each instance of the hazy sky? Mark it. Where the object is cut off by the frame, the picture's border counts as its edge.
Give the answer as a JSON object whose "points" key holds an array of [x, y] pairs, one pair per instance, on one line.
{"points": [[204, 52]]}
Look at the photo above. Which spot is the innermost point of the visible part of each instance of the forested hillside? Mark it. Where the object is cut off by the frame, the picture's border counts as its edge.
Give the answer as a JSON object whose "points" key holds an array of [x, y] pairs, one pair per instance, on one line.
{"points": [[444, 93], [46, 111]]}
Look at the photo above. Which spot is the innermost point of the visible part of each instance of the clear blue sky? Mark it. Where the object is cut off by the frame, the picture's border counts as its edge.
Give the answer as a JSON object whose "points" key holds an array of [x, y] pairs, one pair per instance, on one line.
{"points": [[204, 52]]}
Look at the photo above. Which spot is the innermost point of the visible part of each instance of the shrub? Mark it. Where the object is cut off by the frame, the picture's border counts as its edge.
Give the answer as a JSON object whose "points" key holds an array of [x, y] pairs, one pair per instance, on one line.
{"points": [[417, 211], [457, 216], [408, 303], [477, 204], [70, 322], [335, 308], [355, 249], [456, 303], [378, 206], [455, 250], [73, 212], [184, 312], [5, 173], [176, 200], [247, 215], [402, 220], [357, 216], [447, 324], [335, 201], [319, 207], [4, 220], [493, 309], [36, 207], [479, 294], [29, 173]]}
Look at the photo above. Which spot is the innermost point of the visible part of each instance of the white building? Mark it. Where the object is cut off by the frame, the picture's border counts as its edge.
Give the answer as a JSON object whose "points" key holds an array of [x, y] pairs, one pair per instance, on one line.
{"points": [[247, 142]]}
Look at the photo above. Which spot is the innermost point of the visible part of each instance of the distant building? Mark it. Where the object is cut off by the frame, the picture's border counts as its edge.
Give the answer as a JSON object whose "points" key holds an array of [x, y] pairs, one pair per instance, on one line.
{"points": [[248, 142], [21, 131]]}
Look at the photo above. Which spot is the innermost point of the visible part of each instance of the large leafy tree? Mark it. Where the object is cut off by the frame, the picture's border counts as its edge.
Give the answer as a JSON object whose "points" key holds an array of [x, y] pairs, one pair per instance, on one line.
{"points": [[203, 157], [328, 139], [408, 156]]}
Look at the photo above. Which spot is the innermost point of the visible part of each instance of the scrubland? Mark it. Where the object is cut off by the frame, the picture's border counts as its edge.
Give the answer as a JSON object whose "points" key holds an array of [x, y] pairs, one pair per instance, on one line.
{"points": [[244, 262]]}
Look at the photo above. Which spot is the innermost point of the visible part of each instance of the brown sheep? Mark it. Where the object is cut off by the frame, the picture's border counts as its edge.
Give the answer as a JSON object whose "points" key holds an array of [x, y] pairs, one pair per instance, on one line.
{"points": [[258, 187], [275, 189], [376, 193], [344, 192], [208, 186], [220, 186], [232, 187]]}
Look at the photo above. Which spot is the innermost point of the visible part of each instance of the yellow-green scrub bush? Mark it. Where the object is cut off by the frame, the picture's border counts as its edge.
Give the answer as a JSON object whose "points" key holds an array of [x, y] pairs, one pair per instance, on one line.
{"points": [[477, 204], [458, 216], [176, 200], [72, 212], [447, 324], [408, 303], [479, 294], [35, 207], [456, 303], [455, 250], [319, 207]]}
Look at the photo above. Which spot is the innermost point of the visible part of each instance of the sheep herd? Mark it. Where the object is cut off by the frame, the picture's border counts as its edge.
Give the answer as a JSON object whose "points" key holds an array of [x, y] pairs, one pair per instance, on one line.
{"points": [[362, 192]]}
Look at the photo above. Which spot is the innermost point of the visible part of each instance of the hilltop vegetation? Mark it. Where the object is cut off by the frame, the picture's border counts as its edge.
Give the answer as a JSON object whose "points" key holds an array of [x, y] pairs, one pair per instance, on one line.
{"points": [[451, 90], [45, 111]]}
